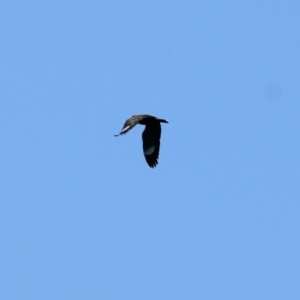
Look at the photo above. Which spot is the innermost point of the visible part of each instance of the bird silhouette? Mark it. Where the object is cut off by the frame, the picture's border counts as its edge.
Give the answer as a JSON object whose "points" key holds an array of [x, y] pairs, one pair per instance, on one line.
{"points": [[150, 136]]}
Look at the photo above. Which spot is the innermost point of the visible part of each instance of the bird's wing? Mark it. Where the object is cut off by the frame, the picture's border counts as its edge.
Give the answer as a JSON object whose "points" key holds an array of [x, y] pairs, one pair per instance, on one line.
{"points": [[130, 123], [151, 143]]}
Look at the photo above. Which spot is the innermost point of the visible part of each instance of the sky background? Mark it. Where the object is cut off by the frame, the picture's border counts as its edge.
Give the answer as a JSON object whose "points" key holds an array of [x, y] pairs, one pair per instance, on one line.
{"points": [[82, 216]]}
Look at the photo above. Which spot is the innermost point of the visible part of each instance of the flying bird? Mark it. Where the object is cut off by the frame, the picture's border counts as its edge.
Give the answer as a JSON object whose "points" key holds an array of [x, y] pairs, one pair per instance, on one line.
{"points": [[151, 135]]}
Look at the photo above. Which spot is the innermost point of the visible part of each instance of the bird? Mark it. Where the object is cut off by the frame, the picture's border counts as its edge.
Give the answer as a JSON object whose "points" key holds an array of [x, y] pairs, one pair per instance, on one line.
{"points": [[150, 136]]}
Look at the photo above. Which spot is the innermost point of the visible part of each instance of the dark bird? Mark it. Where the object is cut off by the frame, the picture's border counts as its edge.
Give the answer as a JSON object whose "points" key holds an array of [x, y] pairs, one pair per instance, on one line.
{"points": [[150, 136]]}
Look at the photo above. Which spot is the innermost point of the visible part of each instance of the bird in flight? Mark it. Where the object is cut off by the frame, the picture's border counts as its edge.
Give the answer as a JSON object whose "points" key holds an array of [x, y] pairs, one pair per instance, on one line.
{"points": [[151, 135]]}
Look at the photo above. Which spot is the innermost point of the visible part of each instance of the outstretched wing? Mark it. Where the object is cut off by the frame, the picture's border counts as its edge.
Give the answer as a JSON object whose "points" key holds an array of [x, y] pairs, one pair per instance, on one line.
{"points": [[151, 143], [130, 123]]}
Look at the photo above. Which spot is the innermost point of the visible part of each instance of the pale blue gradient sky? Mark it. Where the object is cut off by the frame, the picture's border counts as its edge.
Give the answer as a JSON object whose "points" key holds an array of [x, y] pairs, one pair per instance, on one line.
{"points": [[82, 216]]}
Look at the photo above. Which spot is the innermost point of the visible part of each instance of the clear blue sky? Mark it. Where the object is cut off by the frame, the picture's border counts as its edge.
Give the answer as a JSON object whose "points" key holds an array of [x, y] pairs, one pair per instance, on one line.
{"points": [[82, 216]]}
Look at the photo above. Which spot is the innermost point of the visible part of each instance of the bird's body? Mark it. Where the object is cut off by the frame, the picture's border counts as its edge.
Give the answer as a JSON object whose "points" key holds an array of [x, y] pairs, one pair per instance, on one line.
{"points": [[151, 135]]}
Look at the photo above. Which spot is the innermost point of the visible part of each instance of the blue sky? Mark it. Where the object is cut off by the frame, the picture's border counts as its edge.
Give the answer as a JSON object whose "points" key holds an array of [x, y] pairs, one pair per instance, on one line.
{"points": [[82, 216]]}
